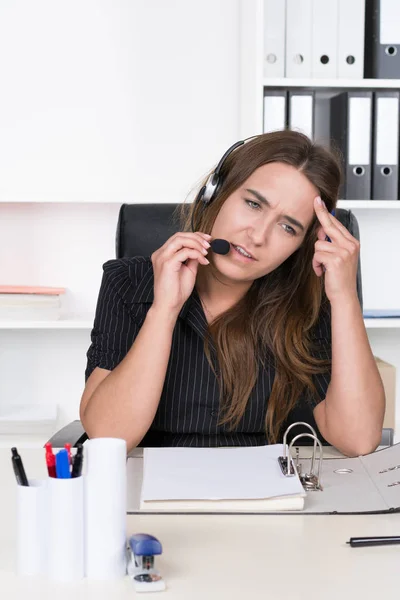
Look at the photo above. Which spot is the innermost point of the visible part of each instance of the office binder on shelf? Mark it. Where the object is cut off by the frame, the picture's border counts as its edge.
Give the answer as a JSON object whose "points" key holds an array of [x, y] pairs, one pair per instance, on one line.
{"points": [[382, 39], [274, 38], [298, 38], [385, 172], [324, 38], [351, 33], [274, 118], [301, 112], [236, 480], [351, 133]]}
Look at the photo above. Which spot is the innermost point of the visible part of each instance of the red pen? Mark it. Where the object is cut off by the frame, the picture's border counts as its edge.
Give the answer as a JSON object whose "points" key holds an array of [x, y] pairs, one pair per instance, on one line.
{"points": [[68, 449], [50, 460]]}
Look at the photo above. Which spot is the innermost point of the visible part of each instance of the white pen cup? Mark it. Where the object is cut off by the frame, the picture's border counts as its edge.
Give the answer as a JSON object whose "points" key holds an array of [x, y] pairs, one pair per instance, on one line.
{"points": [[32, 528], [65, 529]]}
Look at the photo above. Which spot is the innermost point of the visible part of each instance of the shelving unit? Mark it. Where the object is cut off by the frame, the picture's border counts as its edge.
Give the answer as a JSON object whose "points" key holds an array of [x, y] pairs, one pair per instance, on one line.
{"points": [[332, 83], [87, 324], [60, 324], [65, 198], [382, 323], [379, 221], [369, 204]]}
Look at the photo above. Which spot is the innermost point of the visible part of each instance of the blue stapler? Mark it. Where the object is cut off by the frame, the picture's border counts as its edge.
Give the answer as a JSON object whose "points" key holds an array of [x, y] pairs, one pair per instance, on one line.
{"points": [[142, 548]]}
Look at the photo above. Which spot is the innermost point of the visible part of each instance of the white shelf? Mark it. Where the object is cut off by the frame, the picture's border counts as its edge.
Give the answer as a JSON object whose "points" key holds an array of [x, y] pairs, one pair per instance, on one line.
{"points": [[382, 323], [370, 204], [364, 204], [331, 83], [65, 199], [60, 324], [87, 324]]}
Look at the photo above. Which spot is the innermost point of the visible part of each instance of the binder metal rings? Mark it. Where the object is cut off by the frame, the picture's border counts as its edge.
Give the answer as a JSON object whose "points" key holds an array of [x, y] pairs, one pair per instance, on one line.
{"points": [[310, 481]]}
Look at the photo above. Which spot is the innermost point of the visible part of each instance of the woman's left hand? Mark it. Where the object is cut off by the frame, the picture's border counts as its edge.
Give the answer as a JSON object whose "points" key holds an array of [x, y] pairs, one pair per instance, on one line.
{"points": [[338, 259]]}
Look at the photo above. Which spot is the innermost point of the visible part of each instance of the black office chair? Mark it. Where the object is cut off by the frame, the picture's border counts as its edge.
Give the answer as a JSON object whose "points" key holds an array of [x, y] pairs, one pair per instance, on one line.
{"points": [[141, 229]]}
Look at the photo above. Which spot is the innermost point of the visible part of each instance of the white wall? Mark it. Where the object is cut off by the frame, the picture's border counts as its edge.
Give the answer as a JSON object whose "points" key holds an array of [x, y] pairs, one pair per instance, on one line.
{"points": [[115, 100], [102, 102]]}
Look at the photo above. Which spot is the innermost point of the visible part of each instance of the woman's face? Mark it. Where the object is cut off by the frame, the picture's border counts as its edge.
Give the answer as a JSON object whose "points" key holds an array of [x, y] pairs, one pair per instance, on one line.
{"points": [[268, 217]]}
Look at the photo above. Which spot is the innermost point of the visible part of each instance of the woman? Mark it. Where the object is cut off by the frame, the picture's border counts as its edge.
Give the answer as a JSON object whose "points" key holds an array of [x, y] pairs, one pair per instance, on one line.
{"points": [[190, 347]]}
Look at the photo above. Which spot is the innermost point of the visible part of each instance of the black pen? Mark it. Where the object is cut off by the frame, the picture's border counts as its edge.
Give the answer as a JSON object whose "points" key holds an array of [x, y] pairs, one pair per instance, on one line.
{"points": [[358, 542], [18, 467], [77, 463]]}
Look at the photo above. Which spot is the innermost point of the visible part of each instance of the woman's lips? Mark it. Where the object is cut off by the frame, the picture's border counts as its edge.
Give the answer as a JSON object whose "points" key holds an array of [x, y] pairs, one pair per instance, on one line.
{"points": [[240, 255]]}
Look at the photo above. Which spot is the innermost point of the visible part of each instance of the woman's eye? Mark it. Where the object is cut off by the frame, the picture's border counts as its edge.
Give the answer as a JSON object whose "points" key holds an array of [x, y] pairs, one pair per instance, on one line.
{"points": [[289, 229], [253, 204]]}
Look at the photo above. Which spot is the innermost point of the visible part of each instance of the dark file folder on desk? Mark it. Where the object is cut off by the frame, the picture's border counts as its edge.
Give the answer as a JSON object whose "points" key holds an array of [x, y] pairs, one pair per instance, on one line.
{"points": [[351, 125]]}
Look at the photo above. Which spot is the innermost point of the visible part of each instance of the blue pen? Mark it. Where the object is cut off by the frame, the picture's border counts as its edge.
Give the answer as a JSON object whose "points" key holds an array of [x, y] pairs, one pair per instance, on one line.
{"points": [[62, 464]]}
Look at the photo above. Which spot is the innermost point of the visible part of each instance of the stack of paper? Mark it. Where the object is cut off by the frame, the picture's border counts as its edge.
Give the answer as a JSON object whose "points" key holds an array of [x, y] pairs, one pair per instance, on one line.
{"points": [[218, 479], [27, 302]]}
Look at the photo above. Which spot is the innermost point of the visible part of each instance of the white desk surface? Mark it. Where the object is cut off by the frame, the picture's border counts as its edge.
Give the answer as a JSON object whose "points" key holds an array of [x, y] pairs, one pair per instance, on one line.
{"points": [[222, 557]]}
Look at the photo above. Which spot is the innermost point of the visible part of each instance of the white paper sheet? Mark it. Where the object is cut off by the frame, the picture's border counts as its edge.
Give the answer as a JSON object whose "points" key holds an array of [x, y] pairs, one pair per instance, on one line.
{"points": [[216, 473]]}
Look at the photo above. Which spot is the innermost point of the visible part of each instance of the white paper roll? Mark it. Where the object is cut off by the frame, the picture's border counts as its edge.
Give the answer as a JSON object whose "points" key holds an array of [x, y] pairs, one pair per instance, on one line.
{"points": [[105, 508], [32, 528], [65, 529]]}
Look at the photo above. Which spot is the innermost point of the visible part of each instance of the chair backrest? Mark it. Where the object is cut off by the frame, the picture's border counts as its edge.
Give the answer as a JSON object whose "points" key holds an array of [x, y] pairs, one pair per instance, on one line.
{"points": [[142, 228]]}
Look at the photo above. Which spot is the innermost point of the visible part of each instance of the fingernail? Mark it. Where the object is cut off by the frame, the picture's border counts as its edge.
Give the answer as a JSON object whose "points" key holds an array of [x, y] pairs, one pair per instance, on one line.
{"points": [[206, 244], [319, 201], [207, 235]]}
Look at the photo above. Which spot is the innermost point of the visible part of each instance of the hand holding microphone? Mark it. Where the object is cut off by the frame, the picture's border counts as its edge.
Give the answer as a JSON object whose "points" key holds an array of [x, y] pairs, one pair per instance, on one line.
{"points": [[175, 267]]}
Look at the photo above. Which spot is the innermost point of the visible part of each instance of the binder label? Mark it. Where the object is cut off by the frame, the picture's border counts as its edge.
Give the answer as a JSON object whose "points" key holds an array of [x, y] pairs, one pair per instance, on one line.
{"points": [[360, 125]]}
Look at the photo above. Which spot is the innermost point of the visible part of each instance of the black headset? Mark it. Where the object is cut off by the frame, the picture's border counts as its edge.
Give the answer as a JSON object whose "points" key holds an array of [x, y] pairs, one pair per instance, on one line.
{"points": [[214, 181]]}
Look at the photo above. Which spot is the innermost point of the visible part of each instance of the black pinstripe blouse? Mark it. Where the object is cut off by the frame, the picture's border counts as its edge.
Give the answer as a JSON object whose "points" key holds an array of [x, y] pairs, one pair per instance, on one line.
{"points": [[188, 410]]}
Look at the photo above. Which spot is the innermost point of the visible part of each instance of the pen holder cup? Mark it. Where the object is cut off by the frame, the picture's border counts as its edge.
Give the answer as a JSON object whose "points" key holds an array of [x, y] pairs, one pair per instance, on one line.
{"points": [[32, 528], [65, 529]]}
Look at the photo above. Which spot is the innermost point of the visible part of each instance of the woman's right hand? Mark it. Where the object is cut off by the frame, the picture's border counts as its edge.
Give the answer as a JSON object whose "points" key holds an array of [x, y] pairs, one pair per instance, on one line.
{"points": [[175, 267]]}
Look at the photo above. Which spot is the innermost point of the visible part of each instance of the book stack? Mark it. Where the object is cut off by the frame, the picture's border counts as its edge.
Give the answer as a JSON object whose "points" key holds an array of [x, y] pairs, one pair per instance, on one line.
{"points": [[30, 303]]}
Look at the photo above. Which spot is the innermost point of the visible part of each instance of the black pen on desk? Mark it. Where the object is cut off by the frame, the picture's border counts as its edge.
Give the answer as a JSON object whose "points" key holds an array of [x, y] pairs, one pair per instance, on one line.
{"points": [[18, 467], [359, 542], [77, 462]]}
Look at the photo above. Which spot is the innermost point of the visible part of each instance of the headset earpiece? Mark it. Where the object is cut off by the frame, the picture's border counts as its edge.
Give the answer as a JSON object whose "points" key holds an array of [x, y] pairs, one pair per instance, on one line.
{"points": [[210, 189]]}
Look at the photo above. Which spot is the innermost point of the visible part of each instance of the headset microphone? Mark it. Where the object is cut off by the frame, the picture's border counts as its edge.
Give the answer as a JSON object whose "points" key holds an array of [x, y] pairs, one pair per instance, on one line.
{"points": [[220, 246]]}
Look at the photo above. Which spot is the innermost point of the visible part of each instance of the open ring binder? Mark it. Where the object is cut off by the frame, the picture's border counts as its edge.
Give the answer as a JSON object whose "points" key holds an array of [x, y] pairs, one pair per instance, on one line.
{"points": [[366, 484]]}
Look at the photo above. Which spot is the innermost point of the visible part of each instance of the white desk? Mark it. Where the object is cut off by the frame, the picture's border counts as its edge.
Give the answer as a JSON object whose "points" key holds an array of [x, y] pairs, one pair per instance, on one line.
{"points": [[227, 557]]}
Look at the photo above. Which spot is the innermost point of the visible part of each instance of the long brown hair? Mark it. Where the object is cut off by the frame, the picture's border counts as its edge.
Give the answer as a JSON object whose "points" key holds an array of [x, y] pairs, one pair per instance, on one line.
{"points": [[274, 320]]}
